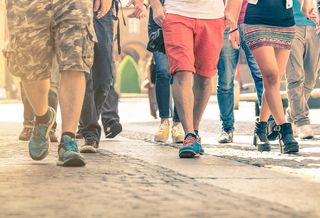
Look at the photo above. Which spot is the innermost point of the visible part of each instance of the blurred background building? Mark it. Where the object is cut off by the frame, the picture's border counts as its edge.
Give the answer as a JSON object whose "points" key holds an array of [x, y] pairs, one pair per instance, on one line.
{"points": [[132, 64], [9, 86]]}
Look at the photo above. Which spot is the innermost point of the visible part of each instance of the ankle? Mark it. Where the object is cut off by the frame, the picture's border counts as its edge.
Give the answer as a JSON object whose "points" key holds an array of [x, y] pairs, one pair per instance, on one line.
{"points": [[175, 123], [190, 134], [70, 134], [164, 120], [43, 119], [196, 132]]}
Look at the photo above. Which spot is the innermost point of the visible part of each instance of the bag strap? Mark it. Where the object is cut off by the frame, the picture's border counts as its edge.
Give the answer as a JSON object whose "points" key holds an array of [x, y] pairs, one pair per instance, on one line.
{"points": [[118, 6]]}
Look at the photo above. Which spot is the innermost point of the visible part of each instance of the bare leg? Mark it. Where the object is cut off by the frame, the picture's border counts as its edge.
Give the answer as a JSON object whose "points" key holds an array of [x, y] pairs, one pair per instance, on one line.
{"points": [[282, 56], [268, 64], [72, 88], [184, 99], [202, 88], [265, 111], [37, 94]]}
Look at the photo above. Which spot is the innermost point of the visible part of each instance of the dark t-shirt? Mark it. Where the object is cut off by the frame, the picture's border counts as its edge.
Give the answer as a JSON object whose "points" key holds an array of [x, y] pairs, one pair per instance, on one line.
{"points": [[269, 12]]}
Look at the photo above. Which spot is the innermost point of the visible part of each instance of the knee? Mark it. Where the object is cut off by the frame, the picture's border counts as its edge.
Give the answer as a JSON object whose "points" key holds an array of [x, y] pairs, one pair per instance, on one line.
{"points": [[225, 85], [271, 77], [101, 88], [182, 78], [202, 81], [295, 84], [163, 74]]}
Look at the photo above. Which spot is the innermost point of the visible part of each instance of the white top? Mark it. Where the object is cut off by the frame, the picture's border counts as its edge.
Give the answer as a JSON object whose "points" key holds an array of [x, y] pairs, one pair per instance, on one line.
{"points": [[200, 9]]}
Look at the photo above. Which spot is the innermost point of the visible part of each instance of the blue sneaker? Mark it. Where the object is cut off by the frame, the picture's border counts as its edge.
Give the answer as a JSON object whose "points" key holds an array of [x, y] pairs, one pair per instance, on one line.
{"points": [[40, 141], [191, 147], [199, 141], [69, 155]]}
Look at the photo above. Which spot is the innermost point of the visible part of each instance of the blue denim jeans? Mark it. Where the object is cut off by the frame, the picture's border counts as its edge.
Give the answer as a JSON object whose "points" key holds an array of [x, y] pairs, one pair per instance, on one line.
{"points": [[227, 64], [100, 79], [109, 112], [163, 81]]}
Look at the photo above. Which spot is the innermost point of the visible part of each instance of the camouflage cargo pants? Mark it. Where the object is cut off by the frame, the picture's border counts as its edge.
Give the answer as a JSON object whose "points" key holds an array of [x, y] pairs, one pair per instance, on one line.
{"points": [[42, 29]]}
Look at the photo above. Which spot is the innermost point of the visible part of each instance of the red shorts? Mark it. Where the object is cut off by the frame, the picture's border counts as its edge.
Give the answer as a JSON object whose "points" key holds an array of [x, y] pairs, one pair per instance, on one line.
{"points": [[193, 45]]}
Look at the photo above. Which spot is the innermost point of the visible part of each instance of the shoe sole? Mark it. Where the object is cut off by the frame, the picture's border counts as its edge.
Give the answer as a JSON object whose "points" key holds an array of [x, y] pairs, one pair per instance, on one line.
{"points": [[225, 141], [188, 154], [307, 137], [177, 141], [46, 152], [43, 155], [74, 162], [88, 149], [160, 140], [115, 129], [291, 149], [263, 147]]}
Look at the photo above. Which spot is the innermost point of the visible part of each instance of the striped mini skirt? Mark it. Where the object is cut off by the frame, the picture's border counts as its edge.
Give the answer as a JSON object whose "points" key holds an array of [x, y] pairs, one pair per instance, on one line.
{"points": [[261, 35]]}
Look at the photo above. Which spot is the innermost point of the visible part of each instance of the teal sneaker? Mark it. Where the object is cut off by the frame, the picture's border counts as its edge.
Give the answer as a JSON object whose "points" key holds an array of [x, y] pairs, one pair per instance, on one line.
{"points": [[191, 147], [199, 141], [40, 141], [69, 155]]}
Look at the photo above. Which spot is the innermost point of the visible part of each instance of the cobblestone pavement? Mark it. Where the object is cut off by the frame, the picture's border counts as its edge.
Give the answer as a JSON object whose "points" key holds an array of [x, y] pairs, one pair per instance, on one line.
{"points": [[242, 150], [113, 185], [134, 177]]}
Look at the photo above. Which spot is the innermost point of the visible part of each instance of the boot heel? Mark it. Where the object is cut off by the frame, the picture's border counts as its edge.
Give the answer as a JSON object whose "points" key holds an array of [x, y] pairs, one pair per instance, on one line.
{"points": [[255, 140], [264, 147], [260, 139]]}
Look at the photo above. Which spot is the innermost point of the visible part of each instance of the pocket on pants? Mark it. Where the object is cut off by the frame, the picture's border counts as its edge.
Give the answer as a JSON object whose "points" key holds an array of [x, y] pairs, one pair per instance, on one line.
{"points": [[89, 39], [10, 58]]}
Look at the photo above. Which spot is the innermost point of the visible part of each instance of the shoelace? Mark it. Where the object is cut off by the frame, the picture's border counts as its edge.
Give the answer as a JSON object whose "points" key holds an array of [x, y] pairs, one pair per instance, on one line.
{"points": [[90, 140], [225, 134], [28, 131], [163, 126], [71, 145], [188, 141], [36, 133], [177, 128]]}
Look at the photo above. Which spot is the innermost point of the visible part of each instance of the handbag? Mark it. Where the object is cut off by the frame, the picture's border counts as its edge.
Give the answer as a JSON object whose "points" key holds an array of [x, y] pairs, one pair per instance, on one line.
{"points": [[156, 41]]}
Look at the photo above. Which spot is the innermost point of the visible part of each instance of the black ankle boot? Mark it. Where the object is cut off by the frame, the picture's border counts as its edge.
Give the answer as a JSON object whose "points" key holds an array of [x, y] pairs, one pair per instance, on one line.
{"points": [[286, 140], [272, 130], [260, 138]]}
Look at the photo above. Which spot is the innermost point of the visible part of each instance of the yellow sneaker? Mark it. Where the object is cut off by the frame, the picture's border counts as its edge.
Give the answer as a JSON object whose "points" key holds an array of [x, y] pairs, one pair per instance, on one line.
{"points": [[162, 134], [177, 133]]}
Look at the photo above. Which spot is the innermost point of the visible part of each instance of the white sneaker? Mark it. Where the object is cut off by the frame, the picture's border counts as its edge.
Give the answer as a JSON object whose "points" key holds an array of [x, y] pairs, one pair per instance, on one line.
{"points": [[162, 133], [177, 133], [305, 132], [226, 137]]}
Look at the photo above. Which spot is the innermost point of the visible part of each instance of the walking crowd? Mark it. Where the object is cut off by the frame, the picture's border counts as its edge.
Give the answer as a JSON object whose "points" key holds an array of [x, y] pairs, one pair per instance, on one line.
{"points": [[64, 49]]}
